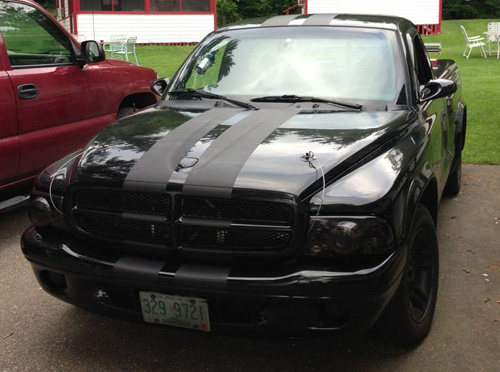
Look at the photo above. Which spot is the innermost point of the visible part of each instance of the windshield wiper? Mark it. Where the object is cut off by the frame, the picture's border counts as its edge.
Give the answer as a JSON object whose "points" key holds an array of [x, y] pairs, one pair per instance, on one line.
{"points": [[294, 98], [204, 94]]}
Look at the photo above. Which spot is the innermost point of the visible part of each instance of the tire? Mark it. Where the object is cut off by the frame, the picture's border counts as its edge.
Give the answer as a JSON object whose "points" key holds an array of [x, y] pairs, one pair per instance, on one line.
{"points": [[454, 181], [124, 111], [408, 317]]}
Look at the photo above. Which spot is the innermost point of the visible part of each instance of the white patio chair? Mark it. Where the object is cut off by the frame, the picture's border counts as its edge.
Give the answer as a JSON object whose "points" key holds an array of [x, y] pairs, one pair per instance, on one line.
{"points": [[115, 44], [473, 42], [129, 48], [495, 27]]}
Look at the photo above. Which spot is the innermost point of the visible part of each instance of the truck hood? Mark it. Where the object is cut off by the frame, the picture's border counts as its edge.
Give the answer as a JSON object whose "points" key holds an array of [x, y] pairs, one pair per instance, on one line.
{"points": [[223, 150]]}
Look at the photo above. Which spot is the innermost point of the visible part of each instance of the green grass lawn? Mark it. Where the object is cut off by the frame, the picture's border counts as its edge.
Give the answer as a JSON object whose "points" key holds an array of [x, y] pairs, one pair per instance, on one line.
{"points": [[163, 58], [480, 79], [481, 84]]}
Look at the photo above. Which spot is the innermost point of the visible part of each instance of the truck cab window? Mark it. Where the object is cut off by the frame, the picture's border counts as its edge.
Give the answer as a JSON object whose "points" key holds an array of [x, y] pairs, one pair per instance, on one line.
{"points": [[31, 38], [422, 66]]}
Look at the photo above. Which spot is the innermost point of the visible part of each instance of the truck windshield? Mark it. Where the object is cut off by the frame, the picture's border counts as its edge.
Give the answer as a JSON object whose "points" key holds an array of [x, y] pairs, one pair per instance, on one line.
{"points": [[347, 64]]}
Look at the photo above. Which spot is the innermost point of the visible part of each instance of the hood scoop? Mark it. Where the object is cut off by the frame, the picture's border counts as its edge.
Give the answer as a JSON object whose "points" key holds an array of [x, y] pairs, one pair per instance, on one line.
{"points": [[187, 162]]}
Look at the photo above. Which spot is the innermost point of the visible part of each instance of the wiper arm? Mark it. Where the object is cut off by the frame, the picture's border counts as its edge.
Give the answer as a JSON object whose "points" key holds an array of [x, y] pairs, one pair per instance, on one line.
{"points": [[294, 98], [204, 94]]}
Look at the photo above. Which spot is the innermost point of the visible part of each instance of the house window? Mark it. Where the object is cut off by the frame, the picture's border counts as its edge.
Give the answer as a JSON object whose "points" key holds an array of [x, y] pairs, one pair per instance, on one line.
{"points": [[96, 5], [112, 5], [129, 5], [180, 5], [195, 5], [165, 5]]}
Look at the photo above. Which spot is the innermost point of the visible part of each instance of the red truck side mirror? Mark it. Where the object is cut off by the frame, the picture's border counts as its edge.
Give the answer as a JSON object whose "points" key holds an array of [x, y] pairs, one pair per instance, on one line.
{"points": [[92, 52]]}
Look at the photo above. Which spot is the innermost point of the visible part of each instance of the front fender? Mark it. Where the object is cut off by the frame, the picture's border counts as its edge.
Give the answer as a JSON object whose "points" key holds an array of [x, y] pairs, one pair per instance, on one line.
{"points": [[389, 186]]}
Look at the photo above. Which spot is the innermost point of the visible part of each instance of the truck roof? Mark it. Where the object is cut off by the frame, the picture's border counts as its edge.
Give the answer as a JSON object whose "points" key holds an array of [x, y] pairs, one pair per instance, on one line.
{"points": [[332, 19]]}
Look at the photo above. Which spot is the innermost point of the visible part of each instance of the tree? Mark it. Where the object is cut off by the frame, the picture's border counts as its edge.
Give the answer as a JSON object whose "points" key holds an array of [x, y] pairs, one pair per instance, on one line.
{"points": [[48, 4], [468, 9], [261, 8], [227, 12], [234, 10]]}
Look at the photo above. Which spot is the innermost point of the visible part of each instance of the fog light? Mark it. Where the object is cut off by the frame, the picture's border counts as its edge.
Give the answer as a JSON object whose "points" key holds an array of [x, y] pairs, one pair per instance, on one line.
{"points": [[53, 281], [40, 212]]}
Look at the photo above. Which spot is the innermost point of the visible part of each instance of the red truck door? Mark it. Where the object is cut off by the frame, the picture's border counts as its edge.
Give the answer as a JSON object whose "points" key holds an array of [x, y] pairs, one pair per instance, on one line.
{"points": [[9, 142], [60, 105]]}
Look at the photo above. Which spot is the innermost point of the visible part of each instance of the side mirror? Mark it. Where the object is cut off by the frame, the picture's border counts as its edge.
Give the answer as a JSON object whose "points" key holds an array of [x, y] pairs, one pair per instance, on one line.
{"points": [[438, 88], [159, 86], [91, 52]]}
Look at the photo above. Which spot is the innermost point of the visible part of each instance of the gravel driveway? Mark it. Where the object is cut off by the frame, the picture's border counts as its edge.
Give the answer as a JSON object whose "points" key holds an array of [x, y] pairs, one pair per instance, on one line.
{"points": [[40, 333]]}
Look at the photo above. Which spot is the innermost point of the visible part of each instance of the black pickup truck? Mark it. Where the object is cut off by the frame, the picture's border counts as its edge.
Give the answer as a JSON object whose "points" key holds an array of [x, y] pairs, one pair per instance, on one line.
{"points": [[287, 183]]}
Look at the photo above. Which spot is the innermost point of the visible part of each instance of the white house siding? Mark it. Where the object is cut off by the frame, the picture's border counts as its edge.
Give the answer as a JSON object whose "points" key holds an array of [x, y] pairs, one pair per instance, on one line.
{"points": [[420, 12], [66, 23], [63, 15], [149, 28], [66, 9]]}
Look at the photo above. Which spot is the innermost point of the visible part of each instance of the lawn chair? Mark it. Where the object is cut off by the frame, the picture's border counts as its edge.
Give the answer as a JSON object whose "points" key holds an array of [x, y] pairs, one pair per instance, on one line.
{"points": [[115, 44], [473, 42], [493, 27], [129, 48]]}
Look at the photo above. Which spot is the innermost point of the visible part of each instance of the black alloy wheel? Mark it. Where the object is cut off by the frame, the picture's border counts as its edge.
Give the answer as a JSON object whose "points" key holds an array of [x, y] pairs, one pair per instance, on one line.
{"points": [[408, 317], [420, 275]]}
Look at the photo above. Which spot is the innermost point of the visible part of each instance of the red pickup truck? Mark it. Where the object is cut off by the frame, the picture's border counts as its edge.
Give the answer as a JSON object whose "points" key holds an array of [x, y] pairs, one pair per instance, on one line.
{"points": [[54, 97]]}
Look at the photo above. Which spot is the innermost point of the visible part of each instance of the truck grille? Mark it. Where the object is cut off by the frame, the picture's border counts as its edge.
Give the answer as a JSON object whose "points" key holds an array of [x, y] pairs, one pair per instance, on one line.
{"points": [[234, 240], [123, 201], [236, 210], [120, 228], [185, 223]]}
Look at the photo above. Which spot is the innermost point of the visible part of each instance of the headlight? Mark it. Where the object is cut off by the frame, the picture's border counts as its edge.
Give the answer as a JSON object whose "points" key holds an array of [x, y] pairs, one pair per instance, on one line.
{"points": [[349, 236], [47, 198], [40, 212], [55, 176]]}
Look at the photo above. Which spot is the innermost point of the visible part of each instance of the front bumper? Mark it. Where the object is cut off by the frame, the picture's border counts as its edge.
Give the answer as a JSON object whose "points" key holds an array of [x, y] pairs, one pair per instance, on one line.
{"points": [[293, 302]]}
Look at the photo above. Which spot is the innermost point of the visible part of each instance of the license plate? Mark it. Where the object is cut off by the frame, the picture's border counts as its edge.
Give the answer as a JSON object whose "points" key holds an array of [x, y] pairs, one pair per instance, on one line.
{"points": [[178, 311]]}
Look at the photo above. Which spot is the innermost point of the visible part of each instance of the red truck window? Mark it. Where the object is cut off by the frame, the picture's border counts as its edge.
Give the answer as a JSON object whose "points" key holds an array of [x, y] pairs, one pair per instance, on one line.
{"points": [[31, 38]]}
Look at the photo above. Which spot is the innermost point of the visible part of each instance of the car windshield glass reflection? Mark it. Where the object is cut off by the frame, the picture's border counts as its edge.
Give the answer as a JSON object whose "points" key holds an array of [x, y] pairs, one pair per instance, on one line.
{"points": [[344, 64]]}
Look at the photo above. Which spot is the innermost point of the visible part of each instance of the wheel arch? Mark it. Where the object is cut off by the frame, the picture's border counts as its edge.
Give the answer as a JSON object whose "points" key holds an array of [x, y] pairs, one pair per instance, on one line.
{"points": [[424, 193], [138, 100], [464, 127], [461, 126], [429, 199]]}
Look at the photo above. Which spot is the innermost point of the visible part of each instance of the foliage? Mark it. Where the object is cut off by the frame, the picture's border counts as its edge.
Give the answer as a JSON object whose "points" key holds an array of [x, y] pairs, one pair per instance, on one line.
{"points": [[227, 12], [47, 4], [470, 9], [235, 10]]}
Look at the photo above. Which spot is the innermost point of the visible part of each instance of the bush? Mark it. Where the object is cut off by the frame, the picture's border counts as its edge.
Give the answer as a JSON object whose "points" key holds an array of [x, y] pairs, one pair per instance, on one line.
{"points": [[470, 9], [234, 10]]}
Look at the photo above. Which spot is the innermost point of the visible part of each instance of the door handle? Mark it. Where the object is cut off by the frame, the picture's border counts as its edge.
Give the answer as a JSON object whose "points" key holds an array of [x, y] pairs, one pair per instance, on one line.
{"points": [[27, 91]]}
